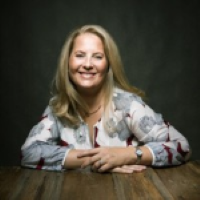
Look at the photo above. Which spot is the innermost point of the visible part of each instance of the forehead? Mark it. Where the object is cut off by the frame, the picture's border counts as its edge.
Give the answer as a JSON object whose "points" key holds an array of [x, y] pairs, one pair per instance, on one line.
{"points": [[88, 40]]}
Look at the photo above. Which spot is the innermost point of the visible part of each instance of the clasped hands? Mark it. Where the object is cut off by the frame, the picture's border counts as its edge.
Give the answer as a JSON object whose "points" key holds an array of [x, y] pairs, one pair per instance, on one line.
{"points": [[110, 159]]}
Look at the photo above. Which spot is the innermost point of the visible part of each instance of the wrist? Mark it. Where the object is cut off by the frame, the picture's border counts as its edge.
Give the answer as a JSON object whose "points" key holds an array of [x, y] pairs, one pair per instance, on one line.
{"points": [[131, 155], [139, 154], [72, 161]]}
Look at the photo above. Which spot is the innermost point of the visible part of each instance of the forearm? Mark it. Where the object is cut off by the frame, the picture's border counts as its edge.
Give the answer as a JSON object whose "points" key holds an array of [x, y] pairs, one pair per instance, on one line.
{"points": [[41, 155], [72, 161], [129, 157], [169, 153]]}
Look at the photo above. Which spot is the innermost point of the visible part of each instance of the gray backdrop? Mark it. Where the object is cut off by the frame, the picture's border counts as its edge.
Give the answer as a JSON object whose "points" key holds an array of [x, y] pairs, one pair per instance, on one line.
{"points": [[158, 41]]}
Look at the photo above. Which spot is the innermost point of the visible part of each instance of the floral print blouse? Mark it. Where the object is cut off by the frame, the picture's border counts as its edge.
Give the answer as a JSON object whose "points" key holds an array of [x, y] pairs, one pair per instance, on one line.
{"points": [[133, 123]]}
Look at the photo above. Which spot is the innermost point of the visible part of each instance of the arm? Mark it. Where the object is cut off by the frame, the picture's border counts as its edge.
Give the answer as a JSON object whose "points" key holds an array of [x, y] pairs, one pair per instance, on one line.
{"points": [[41, 149], [162, 145], [115, 159], [72, 161], [167, 145]]}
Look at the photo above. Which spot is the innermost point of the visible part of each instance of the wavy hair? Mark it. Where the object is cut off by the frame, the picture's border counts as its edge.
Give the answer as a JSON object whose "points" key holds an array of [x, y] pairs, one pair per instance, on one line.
{"points": [[66, 98]]}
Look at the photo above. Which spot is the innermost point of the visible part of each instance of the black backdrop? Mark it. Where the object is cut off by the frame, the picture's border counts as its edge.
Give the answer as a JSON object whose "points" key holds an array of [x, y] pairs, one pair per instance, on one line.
{"points": [[158, 41]]}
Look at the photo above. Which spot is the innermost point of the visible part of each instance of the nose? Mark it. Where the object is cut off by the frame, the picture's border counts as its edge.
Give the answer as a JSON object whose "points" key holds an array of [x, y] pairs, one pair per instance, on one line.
{"points": [[88, 63]]}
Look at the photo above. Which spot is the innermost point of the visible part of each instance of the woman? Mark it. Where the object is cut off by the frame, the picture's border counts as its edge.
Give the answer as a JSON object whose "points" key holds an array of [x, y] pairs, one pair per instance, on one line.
{"points": [[96, 118]]}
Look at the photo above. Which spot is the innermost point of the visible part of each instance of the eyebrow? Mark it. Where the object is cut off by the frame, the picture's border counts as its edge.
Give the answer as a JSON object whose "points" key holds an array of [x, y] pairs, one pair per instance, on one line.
{"points": [[80, 51]]}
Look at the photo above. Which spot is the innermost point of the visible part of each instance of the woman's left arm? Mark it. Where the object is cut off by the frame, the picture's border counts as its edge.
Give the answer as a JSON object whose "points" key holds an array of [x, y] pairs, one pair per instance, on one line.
{"points": [[166, 144]]}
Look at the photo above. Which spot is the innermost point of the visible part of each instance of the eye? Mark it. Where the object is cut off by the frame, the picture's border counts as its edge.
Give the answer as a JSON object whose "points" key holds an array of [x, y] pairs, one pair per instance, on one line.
{"points": [[98, 56], [79, 55]]}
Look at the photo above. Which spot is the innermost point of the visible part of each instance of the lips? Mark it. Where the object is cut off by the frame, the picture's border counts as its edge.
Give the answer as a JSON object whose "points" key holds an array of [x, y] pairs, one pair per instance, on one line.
{"points": [[87, 75]]}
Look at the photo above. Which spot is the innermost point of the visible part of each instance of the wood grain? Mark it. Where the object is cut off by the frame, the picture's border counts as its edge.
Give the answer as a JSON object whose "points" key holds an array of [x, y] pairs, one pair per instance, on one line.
{"points": [[88, 185], [8, 179], [181, 182]]}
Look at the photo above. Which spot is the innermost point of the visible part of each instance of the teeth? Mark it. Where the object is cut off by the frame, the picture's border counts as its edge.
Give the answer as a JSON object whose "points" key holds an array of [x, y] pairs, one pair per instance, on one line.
{"points": [[87, 75]]}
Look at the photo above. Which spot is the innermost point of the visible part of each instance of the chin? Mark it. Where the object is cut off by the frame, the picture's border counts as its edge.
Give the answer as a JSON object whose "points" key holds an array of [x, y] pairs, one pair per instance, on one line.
{"points": [[88, 88]]}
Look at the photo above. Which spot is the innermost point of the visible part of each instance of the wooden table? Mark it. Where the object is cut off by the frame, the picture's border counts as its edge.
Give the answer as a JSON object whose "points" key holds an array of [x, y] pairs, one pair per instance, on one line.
{"points": [[182, 182]]}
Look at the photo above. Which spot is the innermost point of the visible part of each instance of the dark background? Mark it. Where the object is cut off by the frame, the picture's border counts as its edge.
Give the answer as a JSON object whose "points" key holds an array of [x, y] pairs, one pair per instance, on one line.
{"points": [[158, 41]]}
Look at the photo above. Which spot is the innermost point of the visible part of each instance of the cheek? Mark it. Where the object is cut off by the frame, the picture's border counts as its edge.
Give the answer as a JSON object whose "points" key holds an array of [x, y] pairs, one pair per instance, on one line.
{"points": [[72, 78], [104, 69], [71, 74], [72, 62], [72, 66]]}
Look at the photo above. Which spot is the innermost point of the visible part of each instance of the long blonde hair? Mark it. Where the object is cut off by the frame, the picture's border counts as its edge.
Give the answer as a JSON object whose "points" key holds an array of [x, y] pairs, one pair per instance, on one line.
{"points": [[65, 97]]}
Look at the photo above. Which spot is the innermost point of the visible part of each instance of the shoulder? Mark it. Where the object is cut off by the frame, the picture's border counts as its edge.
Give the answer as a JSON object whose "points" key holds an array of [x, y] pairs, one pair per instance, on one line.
{"points": [[123, 99], [49, 114]]}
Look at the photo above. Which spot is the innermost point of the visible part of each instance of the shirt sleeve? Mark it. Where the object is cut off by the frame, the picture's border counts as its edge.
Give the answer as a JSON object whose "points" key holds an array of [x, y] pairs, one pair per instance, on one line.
{"points": [[42, 149], [167, 145]]}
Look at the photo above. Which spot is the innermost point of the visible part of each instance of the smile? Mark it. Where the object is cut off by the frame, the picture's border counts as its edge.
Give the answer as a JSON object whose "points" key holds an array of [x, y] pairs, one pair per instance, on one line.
{"points": [[87, 75]]}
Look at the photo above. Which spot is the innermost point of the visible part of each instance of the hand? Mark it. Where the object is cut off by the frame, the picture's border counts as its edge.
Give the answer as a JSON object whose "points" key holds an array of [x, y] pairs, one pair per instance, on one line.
{"points": [[129, 169], [109, 158]]}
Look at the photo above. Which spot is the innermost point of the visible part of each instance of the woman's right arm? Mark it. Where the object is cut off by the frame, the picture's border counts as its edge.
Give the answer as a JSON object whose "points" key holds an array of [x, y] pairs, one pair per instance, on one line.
{"points": [[43, 147]]}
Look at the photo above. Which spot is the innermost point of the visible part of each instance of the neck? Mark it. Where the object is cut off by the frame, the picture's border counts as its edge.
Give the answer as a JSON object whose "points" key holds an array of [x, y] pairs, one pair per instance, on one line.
{"points": [[92, 98], [93, 112]]}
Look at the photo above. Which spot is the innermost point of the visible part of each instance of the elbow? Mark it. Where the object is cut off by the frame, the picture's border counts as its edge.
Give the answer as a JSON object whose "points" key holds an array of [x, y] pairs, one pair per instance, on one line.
{"points": [[184, 150], [29, 157], [25, 159], [188, 155]]}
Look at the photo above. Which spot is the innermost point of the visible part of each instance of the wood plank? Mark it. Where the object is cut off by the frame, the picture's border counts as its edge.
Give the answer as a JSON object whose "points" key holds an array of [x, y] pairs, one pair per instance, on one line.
{"points": [[36, 184], [182, 181], [52, 186], [159, 184], [139, 186], [8, 181], [86, 185], [26, 185], [195, 166]]}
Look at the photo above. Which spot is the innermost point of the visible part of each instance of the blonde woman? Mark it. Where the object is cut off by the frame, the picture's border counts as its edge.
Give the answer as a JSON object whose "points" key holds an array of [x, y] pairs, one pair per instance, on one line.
{"points": [[96, 119]]}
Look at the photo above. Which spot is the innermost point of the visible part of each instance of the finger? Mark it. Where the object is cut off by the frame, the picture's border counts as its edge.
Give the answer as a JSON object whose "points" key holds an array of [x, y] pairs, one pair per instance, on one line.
{"points": [[135, 168], [96, 165], [89, 152], [100, 164], [121, 170], [91, 161], [105, 167]]}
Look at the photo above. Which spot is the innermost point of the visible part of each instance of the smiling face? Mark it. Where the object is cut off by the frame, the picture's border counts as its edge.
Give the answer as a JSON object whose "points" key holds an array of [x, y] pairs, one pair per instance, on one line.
{"points": [[87, 63]]}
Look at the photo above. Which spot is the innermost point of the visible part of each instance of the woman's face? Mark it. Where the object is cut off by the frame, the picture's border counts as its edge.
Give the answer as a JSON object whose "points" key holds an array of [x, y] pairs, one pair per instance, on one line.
{"points": [[87, 63]]}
